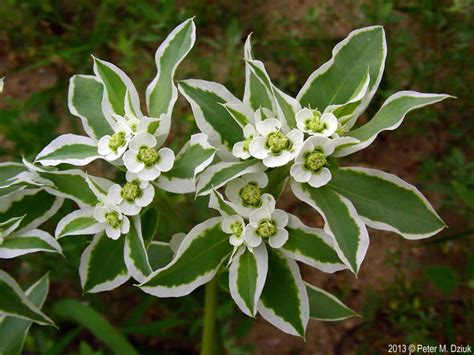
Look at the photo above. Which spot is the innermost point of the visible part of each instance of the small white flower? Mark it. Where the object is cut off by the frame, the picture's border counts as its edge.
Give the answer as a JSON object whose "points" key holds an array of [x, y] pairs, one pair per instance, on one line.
{"points": [[267, 223], [315, 123], [132, 196], [144, 159], [241, 149], [115, 223], [234, 225], [310, 164], [112, 147], [274, 147], [245, 193]]}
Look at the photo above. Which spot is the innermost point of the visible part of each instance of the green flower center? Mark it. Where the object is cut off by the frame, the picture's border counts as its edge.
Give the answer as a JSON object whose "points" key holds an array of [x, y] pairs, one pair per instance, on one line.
{"points": [[148, 156], [314, 124], [277, 142], [112, 219], [236, 229], [314, 160], [250, 194], [247, 143], [266, 228], [117, 140], [131, 191]]}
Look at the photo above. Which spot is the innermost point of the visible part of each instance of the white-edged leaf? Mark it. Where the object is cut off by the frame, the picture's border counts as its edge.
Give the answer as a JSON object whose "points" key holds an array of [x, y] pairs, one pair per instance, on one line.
{"points": [[161, 94], [284, 301], [80, 222], [160, 254], [389, 117], [197, 260], [312, 246], [351, 239], [219, 174], [135, 254], [260, 73], [196, 155], [14, 302], [31, 241], [8, 171], [326, 307], [68, 149], [386, 202], [241, 113], [85, 101], [8, 226], [217, 202], [102, 266], [287, 107], [336, 80], [247, 274], [207, 99]]}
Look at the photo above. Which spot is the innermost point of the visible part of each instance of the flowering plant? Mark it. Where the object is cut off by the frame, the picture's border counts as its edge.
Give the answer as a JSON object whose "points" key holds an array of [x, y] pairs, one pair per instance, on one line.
{"points": [[246, 155]]}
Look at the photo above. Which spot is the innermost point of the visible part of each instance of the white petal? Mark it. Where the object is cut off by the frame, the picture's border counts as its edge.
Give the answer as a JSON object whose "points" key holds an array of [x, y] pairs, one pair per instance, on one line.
{"points": [[249, 131], [279, 239], [113, 195], [324, 143], [330, 122], [273, 161], [261, 179], [112, 233], [147, 196], [308, 146], [320, 178], [131, 176], [99, 213], [103, 145], [239, 152], [233, 188], [268, 126], [166, 160], [268, 201], [142, 139], [299, 173], [259, 214], [145, 122], [125, 228], [280, 218], [302, 116], [129, 209], [229, 221], [236, 241], [296, 137], [131, 162], [149, 174], [251, 238], [258, 149]]}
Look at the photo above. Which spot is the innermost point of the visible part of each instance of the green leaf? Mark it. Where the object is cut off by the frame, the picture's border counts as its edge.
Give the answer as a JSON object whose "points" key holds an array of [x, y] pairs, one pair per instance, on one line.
{"points": [[13, 330], [241, 113], [161, 94], [326, 307], [389, 117], [9, 226], [35, 204], [120, 92], [260, 73], [197, 260], [135, 254], [287, 108], [68, 149], [159, 254], [206, 99], [217, 202], [194, 157], [80, 222], [312, 246], [95, 323], [102, 265], [443, 277], [219, 174], [351, 239], [277, 179], [247, 274], [336, 80], [30, 241], [85, 101], [386, 202], [8, 171], [14, 302], [284, 301], [150, 221]]}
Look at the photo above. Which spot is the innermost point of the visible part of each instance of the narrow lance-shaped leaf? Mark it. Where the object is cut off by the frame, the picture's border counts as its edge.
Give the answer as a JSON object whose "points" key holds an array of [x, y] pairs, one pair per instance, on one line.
{"points": [[197, 260], [326, 307], [336, 80], [8, 226], [161, 94], [217, 202], [351, 239], [8, 171], [284, 301], [27, 242], [384, 201], [85, 101], [389, 117], [13, 302], [68, 149], [135, 254], [206, 99], [150, 222], [80, 222], [311, 246], [241, 113], [194, 157], [13, 330], [102, 265], [247, 274], [219, 174]]}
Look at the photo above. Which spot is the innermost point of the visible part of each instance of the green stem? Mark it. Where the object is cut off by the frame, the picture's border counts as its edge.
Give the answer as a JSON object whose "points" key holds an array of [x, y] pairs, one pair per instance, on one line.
{"points": [[208, 332]]}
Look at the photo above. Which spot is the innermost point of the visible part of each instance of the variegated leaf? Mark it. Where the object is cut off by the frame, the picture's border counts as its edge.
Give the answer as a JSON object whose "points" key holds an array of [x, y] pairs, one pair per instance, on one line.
{"points": [[80, 222], [27, 242], [326, 307], [135, 254]]}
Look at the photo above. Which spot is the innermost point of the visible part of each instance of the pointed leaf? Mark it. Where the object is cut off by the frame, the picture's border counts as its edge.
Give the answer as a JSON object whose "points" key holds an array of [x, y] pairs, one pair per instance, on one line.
{"points": [[150, 221], [102, 266], [241, 113], [197, 260], [8, 171], [284, 301], [217, 202], [386, 202], [159, 254], [7, 227], [135, 254], [80, 222], [325, 307], [287, 108], [28, 242], [351, 239]]}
